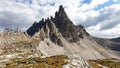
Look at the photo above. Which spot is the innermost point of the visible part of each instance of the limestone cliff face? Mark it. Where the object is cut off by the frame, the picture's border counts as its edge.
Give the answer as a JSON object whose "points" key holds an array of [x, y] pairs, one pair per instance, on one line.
{"points": [[61, 24]]}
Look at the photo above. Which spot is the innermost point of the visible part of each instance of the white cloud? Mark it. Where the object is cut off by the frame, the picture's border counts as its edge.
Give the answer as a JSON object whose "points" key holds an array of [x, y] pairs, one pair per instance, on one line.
{"points": [[106, 23], [13, 15], [96, 3], [109, 33]]}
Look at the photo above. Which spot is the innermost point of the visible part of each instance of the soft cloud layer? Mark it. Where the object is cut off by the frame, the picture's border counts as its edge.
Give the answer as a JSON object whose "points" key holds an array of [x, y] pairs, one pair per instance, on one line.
{"points": [[100, 18]]}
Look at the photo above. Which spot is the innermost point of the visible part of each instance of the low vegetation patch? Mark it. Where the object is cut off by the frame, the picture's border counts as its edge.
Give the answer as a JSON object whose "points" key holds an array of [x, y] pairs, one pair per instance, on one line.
{"points": [[93, 64], [37, 62], [111, 63]]}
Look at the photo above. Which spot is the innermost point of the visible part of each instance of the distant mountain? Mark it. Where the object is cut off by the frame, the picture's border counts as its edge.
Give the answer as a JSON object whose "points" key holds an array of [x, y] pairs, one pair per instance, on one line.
{"points": [[116, 39], [113, 44]]}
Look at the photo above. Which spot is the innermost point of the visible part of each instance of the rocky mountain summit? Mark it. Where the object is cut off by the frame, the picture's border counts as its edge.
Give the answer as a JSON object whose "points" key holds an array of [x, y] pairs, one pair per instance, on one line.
{"points": [[54, 42], [60, 24]]}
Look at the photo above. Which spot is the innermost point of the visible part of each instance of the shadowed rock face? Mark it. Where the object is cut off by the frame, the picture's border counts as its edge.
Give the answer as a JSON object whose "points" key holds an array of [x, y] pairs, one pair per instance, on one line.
{"points": [[65, 26], [35, 27], [61, 24]]}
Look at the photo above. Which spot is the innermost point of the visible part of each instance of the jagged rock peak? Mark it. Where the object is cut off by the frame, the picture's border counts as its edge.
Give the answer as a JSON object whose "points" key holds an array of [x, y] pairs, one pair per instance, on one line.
{"points": [[60, 24], [61, 8], [61, 13]]}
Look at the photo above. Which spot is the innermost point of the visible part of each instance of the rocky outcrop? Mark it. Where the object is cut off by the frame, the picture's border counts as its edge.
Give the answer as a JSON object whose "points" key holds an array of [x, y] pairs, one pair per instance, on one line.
{"points": [[61, 24], [17, 41], [47, 30], [35, 27], [65, 26]]}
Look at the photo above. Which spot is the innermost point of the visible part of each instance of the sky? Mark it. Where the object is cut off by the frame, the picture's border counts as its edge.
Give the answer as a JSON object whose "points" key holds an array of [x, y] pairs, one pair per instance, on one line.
{"points": [[101, 18]]}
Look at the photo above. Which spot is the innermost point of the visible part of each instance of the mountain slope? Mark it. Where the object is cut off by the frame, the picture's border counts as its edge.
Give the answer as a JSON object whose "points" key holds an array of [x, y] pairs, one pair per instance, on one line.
{"points": [[60, 36]]}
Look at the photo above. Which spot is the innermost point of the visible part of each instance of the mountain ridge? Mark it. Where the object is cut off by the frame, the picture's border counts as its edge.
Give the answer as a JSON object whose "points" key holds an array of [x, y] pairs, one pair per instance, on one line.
{"points": [[64, 25]]}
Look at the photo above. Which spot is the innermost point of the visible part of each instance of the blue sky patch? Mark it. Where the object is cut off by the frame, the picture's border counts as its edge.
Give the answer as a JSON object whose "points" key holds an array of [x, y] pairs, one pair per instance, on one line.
{"points": [[110, 2], [87, 1], [47, 3], [24, 1]]}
